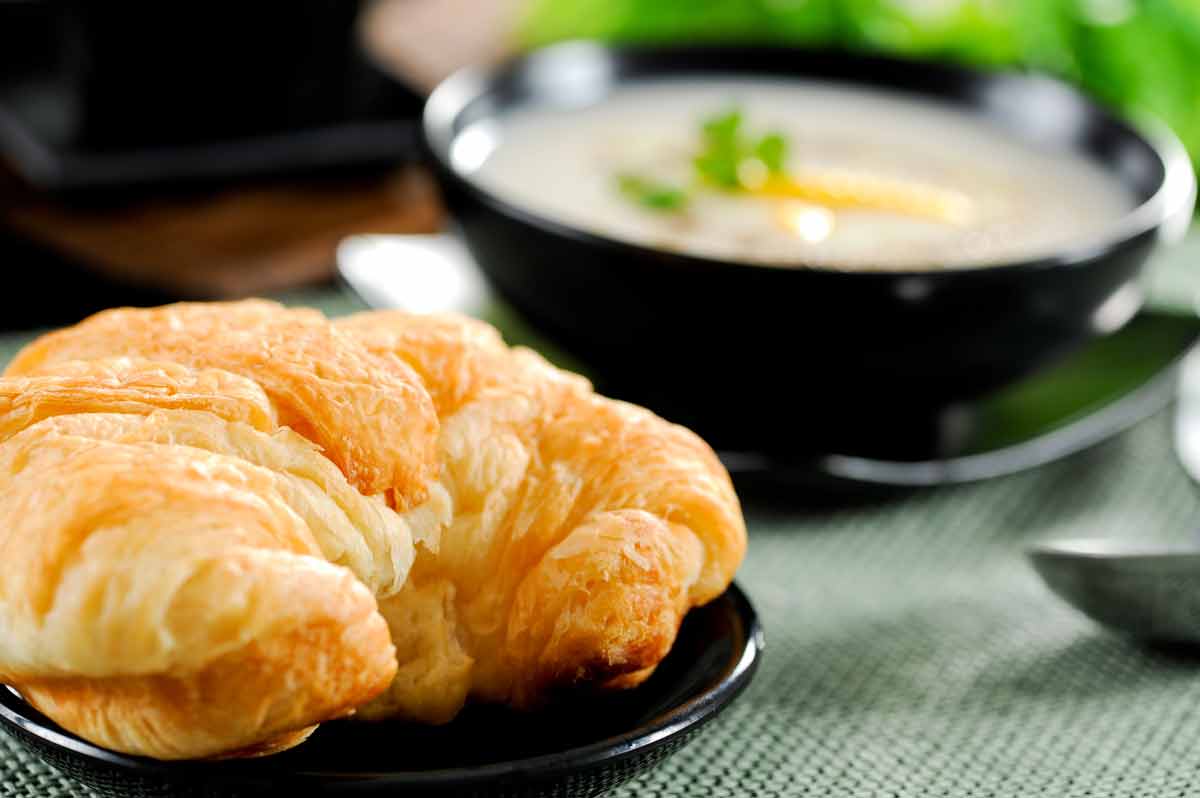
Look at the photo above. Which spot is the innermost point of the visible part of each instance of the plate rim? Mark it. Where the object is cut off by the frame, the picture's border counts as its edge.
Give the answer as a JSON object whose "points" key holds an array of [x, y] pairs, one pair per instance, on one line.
{"points": [[678, 720]]}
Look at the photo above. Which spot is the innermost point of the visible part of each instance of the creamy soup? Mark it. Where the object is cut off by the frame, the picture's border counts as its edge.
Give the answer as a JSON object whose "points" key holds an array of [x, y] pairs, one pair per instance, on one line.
{"points": [[828, 176]]}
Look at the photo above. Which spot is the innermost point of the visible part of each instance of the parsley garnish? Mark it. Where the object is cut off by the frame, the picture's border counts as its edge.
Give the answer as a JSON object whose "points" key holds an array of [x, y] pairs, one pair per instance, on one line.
{"points": [[652, 195], [772, 151], [724, 154], [727, 151]]}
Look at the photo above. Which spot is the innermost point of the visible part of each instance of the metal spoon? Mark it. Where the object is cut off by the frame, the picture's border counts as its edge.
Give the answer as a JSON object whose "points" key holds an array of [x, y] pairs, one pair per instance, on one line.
{"points": [[417, 273], [1146, 590]]}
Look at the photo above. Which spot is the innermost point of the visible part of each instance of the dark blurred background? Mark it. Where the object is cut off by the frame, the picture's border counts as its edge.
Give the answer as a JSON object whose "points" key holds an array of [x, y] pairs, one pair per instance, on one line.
{"points": [[152, 151]]}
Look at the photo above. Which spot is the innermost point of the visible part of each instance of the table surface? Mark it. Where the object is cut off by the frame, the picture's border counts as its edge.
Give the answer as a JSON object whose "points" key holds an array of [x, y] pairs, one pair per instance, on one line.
{"points": [[911, 651]]}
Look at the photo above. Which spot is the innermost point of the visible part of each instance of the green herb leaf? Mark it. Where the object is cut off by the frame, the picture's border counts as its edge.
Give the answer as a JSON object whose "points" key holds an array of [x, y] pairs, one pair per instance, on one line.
{"points": [[726, 149], [772, 151], [723, 149], [652, 195], [722, 129], [718, 168]]}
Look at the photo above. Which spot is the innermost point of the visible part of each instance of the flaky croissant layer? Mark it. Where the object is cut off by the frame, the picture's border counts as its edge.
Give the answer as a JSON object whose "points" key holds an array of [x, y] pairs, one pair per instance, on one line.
{"points": [[225, 523]]}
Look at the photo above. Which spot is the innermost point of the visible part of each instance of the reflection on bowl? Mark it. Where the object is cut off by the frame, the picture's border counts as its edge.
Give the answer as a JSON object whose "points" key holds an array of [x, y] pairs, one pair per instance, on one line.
{"points": [[858, 350]]}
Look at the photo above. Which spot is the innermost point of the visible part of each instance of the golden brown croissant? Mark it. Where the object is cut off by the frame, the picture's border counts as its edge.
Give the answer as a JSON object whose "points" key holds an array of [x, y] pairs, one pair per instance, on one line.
{"points": [[583, 528], [353, 403], [530, 536], [165, 600]]}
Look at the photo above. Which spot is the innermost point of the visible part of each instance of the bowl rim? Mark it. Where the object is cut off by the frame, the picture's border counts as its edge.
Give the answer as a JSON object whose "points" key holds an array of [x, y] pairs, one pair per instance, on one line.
{"points": [[680, 719], [1173, 199]]}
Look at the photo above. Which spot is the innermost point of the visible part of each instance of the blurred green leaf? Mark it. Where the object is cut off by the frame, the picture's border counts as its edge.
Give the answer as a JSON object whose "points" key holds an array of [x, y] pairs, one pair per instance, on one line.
{"points": [[721, 131], [663, 20], [723, 149], [726, 149], [772, 151], [652, 195]]}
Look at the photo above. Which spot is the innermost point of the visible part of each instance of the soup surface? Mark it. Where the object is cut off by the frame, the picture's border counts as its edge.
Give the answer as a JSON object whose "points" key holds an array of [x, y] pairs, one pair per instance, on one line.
{"points": [[857, 179]]}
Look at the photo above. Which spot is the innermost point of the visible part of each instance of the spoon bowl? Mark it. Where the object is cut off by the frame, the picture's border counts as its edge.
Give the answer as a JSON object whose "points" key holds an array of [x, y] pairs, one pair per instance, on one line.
{"points": [[1147, 591]]}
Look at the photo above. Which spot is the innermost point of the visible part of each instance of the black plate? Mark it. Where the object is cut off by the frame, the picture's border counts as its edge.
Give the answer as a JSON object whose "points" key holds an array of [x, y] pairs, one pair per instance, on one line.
{"points": [[1090, 396], [801, 361], [580, 749]]}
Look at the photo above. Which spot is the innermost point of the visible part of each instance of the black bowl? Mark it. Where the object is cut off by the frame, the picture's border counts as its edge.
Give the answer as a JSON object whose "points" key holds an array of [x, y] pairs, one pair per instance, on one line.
{"points": [[785, 359], [579, 749]]}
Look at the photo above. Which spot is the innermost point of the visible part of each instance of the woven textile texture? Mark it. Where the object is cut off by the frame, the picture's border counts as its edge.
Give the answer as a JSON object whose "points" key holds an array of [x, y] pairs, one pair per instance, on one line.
{"points": [[911, 651]]}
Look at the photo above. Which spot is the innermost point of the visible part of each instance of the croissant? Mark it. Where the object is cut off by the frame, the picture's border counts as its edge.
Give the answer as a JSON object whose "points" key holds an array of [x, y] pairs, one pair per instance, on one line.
{"points": [[583, 528], [356, 404], [225, 523], [170, 601]]}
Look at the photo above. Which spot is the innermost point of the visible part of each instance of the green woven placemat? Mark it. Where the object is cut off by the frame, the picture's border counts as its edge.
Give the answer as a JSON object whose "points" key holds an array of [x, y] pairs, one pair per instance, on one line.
{"points": [[912, 652]]}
